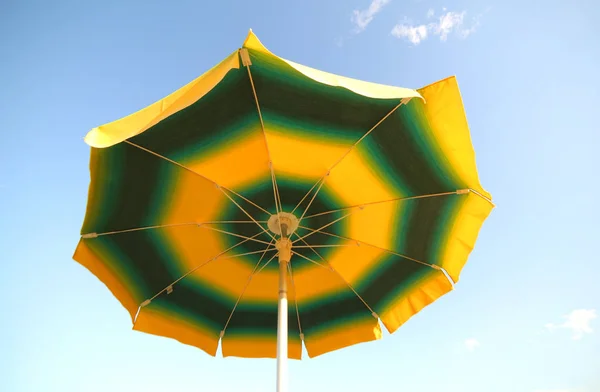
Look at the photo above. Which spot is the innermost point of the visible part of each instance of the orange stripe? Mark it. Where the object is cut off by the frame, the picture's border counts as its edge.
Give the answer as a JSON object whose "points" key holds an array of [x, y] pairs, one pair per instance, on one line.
{"points": [[93, 262]]}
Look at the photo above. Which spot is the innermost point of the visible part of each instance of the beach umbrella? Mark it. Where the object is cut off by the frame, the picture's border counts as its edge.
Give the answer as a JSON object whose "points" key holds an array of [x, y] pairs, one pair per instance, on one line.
{"points": [[267, 205]]}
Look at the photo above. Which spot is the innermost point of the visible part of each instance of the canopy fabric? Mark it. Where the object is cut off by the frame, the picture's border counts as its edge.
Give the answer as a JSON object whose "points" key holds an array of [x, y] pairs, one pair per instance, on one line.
{"points": [[383, 180]]}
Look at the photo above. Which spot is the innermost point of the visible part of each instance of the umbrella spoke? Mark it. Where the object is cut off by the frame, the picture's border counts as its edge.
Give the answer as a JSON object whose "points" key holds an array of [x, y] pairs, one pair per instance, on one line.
{"points": [[229, 222], [254, 271], [219, 187], [388, 201], [218, 256], [374, 246], [311, 260], [321, 246], [94, 235], [342, 278], [305, 196], [313, 231], [253, 239], [247, 214], [404, 101], [278, 207], [289, 265], [312, 199], [267, 263]]}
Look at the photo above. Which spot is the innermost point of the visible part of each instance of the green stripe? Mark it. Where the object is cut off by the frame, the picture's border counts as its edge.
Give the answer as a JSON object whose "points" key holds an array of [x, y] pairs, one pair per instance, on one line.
{"points": [[222, 114], [425, 222], [406, 158], [285, 93], [140, 258], [344, 308], [250, 320], [197, 303], [392, 278], [129, 189]]}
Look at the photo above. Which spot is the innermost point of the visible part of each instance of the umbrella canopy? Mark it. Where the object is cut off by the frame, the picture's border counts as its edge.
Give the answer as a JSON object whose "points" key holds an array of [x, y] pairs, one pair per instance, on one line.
{"points": [[367, 195]]}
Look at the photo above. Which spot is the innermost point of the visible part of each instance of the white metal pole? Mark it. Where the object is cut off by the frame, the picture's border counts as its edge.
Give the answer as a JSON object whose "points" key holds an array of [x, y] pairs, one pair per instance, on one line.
{"points": [[284, 246]]}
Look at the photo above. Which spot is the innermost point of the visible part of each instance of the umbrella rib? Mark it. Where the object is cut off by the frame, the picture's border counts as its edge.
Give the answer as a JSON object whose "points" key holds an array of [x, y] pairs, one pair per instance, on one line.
{"points": [[146, 302], [458, 192], [237, 235], [402, 102], [266, 264], [321, 246], [94, 235], [219, 187], [248, 215], [342, 278], [305, 196], [289, 265], [311, 260], [313, 198], [376, 247], [278, 207], [313, 231], [264, 252]]}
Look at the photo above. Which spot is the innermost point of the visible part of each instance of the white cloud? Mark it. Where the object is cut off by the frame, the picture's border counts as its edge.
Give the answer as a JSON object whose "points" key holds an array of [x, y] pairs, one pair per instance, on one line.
{"points": [[448, 22], [414, 34], [362, 18], [578, 321], [472, 344]]}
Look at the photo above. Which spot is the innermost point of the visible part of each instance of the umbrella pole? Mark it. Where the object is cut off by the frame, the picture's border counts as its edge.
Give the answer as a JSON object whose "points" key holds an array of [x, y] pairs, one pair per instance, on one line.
{"points": [[285, 253]]}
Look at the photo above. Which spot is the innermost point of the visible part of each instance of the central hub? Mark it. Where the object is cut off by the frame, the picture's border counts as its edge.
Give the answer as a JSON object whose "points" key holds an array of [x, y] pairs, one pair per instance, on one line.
{"points": [[283, 224]]}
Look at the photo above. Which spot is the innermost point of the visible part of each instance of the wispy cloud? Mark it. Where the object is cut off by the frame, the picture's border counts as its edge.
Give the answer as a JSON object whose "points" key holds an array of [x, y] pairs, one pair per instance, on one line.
{"points": [[472, 344], [414, 34], [362, 18], [442, 26], [578, 321]]}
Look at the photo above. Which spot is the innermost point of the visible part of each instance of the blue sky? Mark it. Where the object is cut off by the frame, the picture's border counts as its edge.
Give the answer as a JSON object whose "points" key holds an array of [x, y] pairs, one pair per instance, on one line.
{"points": [[522, 319]]}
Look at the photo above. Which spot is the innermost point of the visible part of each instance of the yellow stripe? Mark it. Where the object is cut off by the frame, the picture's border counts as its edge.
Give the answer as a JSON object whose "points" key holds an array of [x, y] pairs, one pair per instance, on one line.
{"points": [[375, 224], [237, 162], [93, 262], [171, 325], [259, 346], [446, 114], [364, 260], [412, 302], [193, 246], [136, 123], [313, 283], [353, 182], [345, 335], [184, 194], [296, 156], [463, 235]]}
